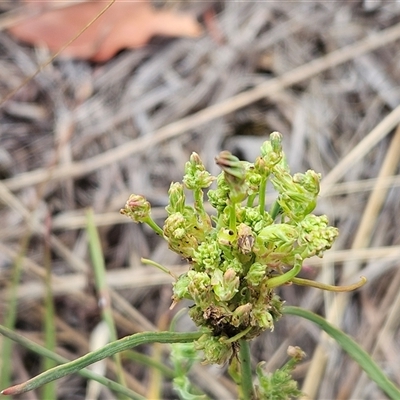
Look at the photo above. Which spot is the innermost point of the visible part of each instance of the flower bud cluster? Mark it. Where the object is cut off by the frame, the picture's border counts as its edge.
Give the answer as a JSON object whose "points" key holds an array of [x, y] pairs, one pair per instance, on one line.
{"points": [[242, 253]]}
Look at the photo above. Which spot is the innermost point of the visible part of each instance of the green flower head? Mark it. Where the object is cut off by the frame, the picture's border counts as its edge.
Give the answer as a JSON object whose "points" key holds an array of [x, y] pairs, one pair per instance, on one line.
{"points": [[240, 253]]}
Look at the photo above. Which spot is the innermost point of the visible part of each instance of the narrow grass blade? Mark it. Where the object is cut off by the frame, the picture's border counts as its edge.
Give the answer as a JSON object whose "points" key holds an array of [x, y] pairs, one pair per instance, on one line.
{"points": [[351, 348], [11, 313], [109, 350], [49, 390], [38, 349], [99, 268]]}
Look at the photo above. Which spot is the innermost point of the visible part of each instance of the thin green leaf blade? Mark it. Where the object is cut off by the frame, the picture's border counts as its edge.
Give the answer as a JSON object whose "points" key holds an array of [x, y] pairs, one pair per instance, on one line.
{"points": [[351, 348], [44, 352], [108, 350], [103, 292]]}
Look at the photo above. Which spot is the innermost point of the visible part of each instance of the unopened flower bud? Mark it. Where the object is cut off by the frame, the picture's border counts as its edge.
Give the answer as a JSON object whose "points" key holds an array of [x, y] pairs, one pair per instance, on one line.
{"points": [[226, 285], [309, 181], [296, 352], [256, 273], [278, 237], [235, 175], [199, 287], [196, 176], [176, 198], [177, 232], [137, 208], [261, 167], [180, 288], [276, 141], [262, 318], [271, 150]]}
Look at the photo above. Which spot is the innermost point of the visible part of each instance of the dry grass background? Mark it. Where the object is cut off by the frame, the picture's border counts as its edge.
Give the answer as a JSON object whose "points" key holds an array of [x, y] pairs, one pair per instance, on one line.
{"points": [[324, 74]]}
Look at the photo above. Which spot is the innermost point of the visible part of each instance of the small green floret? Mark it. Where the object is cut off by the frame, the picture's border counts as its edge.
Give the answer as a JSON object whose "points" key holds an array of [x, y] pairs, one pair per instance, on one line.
{"points": [[215, 350], [196, 175], [137, 208], [280, 385]]}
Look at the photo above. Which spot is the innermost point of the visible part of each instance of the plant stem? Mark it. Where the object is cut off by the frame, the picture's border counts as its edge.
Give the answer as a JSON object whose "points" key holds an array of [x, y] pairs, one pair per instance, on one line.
{"points": [[263, 188], [238, 336], [232, 217], [331, 288], [150, 222], [38, 349], [250, 200], [246, 389], [146, 261], [275, 209], [108, 350], [198, 203], [49, 390], [286, 277]]}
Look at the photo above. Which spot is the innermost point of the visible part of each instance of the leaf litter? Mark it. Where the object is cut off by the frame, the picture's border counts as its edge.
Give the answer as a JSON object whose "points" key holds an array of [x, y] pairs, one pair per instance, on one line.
{"points": [[74, 111], [125, 25]]}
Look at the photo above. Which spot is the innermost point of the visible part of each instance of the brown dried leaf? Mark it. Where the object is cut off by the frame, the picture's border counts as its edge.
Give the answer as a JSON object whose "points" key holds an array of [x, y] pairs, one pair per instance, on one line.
{"points": [[124, 25]]}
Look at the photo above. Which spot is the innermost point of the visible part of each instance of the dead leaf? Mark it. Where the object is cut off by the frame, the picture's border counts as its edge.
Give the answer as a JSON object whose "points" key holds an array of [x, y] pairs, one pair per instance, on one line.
{"points": [[124, 25]]}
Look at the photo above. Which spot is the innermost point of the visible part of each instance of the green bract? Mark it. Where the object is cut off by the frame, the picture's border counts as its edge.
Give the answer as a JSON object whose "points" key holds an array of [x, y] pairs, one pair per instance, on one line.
{"points": [[244, 251]]}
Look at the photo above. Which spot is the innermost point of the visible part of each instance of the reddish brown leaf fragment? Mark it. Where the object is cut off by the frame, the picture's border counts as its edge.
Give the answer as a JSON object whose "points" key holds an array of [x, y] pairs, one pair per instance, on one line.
{"points": [[123, 25]]}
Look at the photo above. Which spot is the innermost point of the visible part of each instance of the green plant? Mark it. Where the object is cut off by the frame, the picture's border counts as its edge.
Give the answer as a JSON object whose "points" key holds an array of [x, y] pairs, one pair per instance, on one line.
{"points": [[238, 257]]}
